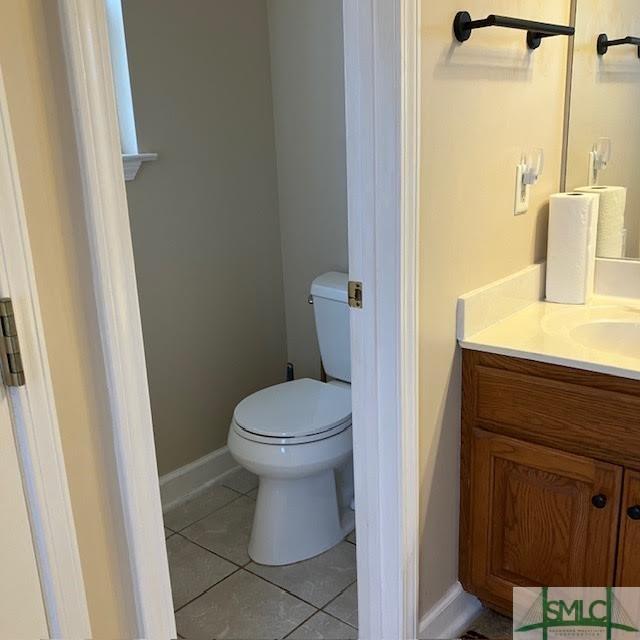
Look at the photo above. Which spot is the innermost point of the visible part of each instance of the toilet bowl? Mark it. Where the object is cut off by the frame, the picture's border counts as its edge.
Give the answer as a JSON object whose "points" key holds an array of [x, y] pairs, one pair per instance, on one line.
{"points": [[296, 437]]}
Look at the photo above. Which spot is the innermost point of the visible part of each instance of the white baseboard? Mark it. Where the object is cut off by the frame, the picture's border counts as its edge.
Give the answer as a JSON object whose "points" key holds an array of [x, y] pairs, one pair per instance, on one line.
{"points": [[178, 485], [450, 616]]}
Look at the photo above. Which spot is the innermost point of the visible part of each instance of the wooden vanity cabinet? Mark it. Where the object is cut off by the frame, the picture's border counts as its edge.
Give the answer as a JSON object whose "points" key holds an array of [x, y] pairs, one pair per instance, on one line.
{"points": [[549, 494], [628, 568]]}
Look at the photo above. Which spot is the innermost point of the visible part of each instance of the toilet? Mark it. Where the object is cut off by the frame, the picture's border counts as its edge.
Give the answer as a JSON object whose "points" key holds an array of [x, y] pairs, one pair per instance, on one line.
{"points": [[296, 437]]}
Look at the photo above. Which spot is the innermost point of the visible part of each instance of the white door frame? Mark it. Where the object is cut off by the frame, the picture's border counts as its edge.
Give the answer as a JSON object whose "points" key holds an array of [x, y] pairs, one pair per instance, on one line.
{"points": [[34, 416], [84, 29], [382, 82], [381, 68]]}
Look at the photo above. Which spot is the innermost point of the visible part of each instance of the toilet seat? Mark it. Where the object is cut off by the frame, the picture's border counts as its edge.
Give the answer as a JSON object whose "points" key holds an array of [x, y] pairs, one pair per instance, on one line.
{"points": [[294, 412], [316, 437]]}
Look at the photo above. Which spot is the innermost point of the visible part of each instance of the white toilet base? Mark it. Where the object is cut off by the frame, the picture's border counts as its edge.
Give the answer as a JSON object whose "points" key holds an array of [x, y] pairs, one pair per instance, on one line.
{"points": [[304, 495], [296, 520]]}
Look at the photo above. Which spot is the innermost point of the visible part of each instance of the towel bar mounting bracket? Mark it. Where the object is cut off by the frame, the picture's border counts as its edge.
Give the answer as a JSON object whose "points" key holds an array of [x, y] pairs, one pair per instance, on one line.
{"points": [[604, 43], [463, 25]]}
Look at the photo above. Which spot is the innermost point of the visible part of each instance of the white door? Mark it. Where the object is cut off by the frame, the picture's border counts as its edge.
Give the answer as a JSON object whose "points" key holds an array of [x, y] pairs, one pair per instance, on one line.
{"points": [[22, 613]]}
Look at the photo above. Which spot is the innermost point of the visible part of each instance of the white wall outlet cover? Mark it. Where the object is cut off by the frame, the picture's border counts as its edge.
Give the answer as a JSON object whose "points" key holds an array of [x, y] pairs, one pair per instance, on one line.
{"points": [[521, 201]]}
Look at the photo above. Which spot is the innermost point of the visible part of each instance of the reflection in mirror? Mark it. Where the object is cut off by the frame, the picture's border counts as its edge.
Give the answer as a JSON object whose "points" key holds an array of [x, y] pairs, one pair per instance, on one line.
{"points": [[603, 154]]}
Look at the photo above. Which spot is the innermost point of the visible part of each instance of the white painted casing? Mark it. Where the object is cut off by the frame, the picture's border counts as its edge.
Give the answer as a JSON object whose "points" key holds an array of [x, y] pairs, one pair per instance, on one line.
{"points": [[330, 306]]}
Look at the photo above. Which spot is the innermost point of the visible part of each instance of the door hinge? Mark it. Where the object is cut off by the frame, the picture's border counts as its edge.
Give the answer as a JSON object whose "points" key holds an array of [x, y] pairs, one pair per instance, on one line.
{"points": [[12, 370], [355, 294]]}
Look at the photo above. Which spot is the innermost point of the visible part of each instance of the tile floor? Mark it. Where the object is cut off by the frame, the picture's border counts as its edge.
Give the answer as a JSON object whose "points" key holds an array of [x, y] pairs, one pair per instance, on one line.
{"points": [[219, 593], [492, 625]]}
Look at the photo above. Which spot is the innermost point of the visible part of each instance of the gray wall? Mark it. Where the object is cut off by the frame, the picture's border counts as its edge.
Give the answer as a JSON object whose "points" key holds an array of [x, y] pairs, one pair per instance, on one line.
{"points": [[307, 70], [204, 216]]}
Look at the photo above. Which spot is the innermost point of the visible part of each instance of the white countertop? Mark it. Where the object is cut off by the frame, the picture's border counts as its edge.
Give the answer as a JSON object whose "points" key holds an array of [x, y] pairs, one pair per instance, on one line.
{"points": [[553, 333]]}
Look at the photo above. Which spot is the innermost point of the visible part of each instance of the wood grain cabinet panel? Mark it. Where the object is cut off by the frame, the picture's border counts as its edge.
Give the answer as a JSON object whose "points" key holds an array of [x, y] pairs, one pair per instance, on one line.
{"points": [[573, 417], [533, 522], [549, 494], [628, 573]]}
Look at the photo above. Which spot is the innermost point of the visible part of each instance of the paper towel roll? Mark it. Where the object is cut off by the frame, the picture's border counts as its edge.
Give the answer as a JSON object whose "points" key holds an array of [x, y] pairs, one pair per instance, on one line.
{"points": [[613, 202], [571, 249]]}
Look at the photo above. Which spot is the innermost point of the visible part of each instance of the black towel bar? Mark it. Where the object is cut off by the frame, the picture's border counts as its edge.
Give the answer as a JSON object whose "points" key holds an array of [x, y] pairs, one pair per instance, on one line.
{"points": [[604, 43], [463, 25]]}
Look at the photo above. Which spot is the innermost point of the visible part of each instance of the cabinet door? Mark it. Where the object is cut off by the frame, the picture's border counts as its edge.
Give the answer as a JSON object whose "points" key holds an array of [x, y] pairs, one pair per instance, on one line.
{"points": [[539, 517], [628, 573]]}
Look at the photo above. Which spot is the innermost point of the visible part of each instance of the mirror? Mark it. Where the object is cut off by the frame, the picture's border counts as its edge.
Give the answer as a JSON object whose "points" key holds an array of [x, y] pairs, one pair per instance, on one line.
{"points": [[603, 141]]}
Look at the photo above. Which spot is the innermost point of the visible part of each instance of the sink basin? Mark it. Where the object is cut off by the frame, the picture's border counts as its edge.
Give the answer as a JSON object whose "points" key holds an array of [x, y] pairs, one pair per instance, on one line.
{"points": [[617, 337]]}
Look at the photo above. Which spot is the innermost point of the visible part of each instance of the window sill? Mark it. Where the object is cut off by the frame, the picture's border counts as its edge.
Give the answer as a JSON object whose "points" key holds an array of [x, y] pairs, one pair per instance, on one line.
{"points": [[133, 162]]}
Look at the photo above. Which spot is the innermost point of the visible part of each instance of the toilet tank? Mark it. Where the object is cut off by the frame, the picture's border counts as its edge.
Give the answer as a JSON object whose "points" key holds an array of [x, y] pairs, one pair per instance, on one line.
{"points": [[330, 306]]}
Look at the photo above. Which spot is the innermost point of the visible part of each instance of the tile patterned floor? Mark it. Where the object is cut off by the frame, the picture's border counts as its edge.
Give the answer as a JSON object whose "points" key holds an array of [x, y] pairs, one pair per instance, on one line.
{"points": [[492, 625], [219, 593]]}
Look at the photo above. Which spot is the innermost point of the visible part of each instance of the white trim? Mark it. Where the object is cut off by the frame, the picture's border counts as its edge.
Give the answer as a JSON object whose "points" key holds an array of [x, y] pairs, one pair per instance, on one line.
{"points": [[179, 485], [121, 77], [132, 162], [34, 414], [409, 321], [86, 43], [451, 615], [382, 111], [132, 159]]}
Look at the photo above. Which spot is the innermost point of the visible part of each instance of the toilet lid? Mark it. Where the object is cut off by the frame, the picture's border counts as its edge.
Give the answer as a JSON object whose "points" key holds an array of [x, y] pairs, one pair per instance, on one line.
{"points": [[295, 409]]}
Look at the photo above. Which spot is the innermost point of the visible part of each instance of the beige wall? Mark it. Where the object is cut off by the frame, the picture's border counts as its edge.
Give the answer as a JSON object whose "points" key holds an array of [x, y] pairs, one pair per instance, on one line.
{"points": [[307, 69], [204, 216], [32, 64], [484, 102], [604, 104]]}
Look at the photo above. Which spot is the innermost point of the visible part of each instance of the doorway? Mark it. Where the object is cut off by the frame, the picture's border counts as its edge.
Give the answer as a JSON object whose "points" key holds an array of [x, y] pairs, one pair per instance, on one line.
{"points": [[382, 219]]}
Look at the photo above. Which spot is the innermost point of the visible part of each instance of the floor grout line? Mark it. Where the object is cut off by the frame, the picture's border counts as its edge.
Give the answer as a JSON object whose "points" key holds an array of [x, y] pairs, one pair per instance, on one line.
{"points": [[331, 615], [326, 613], [274, 584], [226, 504], [293, 595], [324, 609], [239, 566], [244, 493], [240, 494], [302, 623], [239, 569], [186, 604], [244, 567]]}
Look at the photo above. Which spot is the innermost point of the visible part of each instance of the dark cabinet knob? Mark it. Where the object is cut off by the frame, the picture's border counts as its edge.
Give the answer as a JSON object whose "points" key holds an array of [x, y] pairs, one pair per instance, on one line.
{"points": [[599, 501], [634, 512]]}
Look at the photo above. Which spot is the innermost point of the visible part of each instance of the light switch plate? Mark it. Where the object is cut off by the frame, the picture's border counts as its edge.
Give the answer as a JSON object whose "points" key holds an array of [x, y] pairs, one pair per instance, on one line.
{"points": [[521, 200]]}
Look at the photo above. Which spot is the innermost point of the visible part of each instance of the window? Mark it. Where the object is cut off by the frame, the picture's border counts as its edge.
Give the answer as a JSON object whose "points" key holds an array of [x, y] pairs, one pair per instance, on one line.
{"points": [[131, 157]]}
